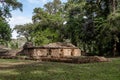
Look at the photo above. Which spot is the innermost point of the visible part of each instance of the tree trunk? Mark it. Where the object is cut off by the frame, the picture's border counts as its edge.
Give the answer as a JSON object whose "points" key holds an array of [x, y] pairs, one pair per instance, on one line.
{"points": [[113, 5], [84, 47], [114, 48], [100, 49]]}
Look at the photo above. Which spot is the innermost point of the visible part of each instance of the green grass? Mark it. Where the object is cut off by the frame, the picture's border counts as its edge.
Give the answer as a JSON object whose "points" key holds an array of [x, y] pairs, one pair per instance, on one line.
{"points": [[34, 70]]}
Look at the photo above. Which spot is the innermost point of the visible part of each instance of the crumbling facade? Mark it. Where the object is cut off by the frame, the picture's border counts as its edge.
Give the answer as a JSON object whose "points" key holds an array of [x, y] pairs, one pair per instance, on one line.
{"points": [[54, 50]]}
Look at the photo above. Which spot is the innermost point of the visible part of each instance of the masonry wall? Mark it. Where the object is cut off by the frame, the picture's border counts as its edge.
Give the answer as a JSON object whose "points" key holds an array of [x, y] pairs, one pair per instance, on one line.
{"points": [[38, 52], [76, 52], [55, 53]]}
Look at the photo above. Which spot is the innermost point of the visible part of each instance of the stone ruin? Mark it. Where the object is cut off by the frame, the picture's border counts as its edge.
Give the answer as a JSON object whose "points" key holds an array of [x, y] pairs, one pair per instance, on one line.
{"points": [[27, 45], [60, 52], [3, 50], [53, 50]]}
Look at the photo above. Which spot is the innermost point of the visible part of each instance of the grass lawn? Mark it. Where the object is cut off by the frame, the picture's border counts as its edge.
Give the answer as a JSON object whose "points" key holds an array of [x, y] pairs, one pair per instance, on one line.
{"points": [[34, 70]]}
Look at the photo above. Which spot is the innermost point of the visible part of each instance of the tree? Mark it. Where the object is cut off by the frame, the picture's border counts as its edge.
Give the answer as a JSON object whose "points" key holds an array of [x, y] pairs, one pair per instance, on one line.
{"points": [[7, 6], [88, 20], [50, 18], [113, 21], [53, 7], [46, 22], [5, 31], [75, 21], [25, 30], [44, 37]]}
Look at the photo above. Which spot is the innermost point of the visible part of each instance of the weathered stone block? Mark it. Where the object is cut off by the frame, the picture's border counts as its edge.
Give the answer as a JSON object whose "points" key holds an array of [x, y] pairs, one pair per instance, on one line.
{"points": [[67, 52], [76, 52], [55, 53], [42, 52]]}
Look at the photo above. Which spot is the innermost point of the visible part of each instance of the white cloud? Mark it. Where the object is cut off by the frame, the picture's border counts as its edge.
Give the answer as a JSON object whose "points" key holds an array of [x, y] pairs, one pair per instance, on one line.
{"points": [[18, 20], [37, 1]]}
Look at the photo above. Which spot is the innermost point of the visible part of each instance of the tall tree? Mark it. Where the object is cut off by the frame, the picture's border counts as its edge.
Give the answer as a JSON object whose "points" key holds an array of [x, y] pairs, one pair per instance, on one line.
{"points": [[75, 19], [25, 30], [5, 31], [49, 18], [7, 6], [91, 19], [113, 20], [53, 7]]}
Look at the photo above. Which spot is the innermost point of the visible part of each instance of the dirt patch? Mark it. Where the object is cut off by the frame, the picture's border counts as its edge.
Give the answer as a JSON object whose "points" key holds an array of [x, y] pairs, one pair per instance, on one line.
{"points": [[14, 64]]}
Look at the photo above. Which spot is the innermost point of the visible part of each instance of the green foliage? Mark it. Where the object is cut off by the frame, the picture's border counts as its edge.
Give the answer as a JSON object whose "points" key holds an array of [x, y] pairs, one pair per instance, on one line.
{"points": [[7, 6], [25, 30], [49, 23], [91, 25], [94, 24], [53, 7], [13, 45], [5, 30], [45, 37]]}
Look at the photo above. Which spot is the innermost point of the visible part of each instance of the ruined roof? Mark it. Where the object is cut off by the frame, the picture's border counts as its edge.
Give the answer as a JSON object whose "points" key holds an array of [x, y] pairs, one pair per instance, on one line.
{"points": [[55, 45], [60, 45], [3, 49]]}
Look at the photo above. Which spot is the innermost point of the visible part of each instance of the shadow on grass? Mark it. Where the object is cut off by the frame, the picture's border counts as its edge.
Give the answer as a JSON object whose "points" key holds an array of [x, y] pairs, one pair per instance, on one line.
{"points": [[35, 71]]}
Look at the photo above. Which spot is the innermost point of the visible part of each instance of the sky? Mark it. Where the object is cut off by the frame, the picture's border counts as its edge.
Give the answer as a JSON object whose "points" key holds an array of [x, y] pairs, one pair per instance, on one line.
{"points": [[19, 18]]}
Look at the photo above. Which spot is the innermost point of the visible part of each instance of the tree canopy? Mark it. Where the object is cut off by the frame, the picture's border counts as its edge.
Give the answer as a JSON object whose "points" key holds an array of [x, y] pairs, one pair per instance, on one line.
{"points": [[5, 31], [92, 25], [6, 6]]}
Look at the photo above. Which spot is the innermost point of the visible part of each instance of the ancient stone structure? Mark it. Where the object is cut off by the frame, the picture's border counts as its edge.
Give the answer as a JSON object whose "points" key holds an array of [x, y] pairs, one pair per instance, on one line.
{"points": [[3, 50], [54, 50]]}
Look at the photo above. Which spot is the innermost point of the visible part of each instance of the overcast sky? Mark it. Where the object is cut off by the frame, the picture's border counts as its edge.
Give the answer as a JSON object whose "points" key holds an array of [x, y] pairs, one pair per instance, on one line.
{"points": [[19, 17]]}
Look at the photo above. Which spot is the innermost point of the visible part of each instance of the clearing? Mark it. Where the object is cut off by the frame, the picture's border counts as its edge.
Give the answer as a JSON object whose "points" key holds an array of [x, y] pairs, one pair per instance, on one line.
{"points": [[11, 69]]}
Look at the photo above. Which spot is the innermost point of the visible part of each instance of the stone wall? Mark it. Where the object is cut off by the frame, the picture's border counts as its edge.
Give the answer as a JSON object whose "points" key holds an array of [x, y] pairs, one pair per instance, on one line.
{"points": [[67, 52], [55, 53], [38, 52], [76, 52]]}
